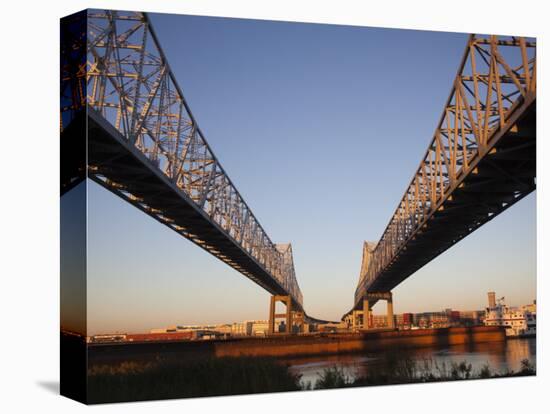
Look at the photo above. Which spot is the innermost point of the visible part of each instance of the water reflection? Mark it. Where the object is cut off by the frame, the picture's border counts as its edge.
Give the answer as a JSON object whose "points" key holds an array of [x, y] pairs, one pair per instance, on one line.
{"points": [[501, 357]]}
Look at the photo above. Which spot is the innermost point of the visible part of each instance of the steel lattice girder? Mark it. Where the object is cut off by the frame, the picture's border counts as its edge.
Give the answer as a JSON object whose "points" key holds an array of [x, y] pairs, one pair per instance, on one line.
{"points": [[481, 160], [155, 148]]}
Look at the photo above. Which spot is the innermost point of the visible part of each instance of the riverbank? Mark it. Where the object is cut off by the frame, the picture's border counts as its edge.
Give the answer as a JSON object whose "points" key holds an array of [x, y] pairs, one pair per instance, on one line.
{"points": [[296, 345]]}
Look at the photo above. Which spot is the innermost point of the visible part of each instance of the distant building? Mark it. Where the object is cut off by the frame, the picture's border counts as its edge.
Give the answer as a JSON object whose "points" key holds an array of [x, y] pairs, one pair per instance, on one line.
{"points": [[404, 321], [471, 318], [205, 334], [379, 321], [224, 329], [427, 320], [444, 319], [108, 338], [439, 320], [454, 317], [159, 336], [258, 328], [238, 329]]}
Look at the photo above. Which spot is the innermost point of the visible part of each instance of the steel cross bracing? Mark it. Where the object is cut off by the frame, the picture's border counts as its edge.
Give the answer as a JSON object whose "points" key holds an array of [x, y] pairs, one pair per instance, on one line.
{"points": [[126, 81], [480, 161]]}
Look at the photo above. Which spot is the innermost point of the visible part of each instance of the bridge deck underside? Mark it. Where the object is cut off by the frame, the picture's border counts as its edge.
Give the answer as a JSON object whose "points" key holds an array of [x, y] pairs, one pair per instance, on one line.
{"points": [[123, 164], [503, 178]]}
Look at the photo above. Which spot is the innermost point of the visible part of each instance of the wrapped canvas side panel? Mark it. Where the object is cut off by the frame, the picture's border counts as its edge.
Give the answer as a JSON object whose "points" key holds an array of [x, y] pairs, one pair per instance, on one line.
{"points": [[73, 190]]}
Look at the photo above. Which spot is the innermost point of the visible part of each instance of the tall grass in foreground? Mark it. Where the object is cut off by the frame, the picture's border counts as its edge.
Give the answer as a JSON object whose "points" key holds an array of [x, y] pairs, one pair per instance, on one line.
{"points": [[161, 379], [404, 370], [130, 381]]}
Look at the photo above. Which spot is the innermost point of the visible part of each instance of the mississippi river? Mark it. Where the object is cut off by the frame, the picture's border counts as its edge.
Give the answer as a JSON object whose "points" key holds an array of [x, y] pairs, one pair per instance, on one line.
{"points": [[500, 357]]}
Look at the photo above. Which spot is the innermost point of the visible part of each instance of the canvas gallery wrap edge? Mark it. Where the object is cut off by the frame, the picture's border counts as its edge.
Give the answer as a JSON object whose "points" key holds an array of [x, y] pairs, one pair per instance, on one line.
{"points": [[175, 281]]}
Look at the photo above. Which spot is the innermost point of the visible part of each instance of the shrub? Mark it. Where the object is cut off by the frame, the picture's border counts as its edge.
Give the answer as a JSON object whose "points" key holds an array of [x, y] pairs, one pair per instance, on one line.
{"points": [[333, 377]]}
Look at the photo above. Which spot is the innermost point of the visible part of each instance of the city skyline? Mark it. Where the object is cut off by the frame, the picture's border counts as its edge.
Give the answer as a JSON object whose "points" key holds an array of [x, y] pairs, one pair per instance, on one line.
{"points": [[308, 200], [176, 324]]}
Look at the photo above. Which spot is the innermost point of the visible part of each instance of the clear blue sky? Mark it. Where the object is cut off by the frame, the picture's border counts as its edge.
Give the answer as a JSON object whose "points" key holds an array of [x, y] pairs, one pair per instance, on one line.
{"points": [[320, 128]]}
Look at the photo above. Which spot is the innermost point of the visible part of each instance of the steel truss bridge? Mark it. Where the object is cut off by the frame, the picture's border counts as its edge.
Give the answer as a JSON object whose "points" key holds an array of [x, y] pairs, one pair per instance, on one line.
{"points": [[481, 160], [144, 145]]}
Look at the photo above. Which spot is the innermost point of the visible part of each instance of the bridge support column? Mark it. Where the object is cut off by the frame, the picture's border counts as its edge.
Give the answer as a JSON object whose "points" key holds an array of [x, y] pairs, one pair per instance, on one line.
{"points": [[356, 322], [273, 316], [389, 313], [297, 322], [371, 298], [366, 314], [350, 320]]}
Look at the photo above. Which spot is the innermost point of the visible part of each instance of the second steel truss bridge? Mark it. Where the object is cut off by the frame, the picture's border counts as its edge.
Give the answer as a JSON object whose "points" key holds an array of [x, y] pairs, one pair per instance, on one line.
{"points": [[481, 160]]}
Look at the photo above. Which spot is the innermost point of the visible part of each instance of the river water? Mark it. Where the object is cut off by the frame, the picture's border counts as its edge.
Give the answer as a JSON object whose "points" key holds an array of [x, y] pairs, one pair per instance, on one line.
{"points": [[500, 357]]}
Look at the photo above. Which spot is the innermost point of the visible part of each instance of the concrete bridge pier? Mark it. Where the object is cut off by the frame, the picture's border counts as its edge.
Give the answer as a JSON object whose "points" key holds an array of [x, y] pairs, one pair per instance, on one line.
{"points": [[371, 298], [297, 322], [389, 312], [355, 320], [367, 312], [287, 316]]}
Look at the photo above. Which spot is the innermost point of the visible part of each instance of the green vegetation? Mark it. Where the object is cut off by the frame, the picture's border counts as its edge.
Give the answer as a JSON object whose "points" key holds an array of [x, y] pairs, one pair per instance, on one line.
{"points": [[404, 370], [333, 377], [130, 381], [160, 379]]}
